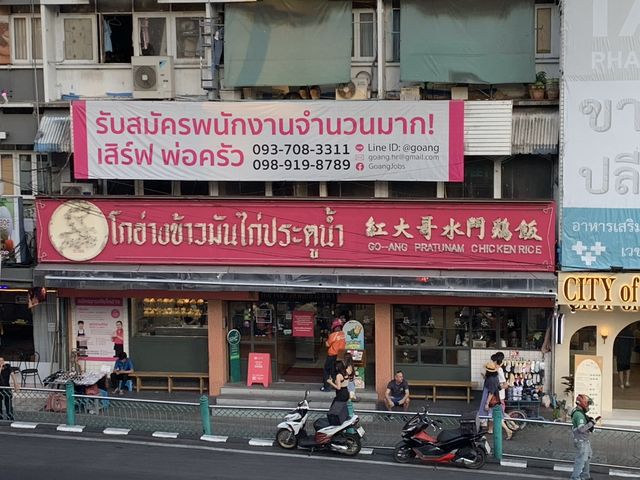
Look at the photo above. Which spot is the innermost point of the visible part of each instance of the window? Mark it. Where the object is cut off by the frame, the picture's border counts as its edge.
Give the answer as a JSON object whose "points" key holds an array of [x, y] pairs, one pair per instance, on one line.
{"points": [[157, 187], [254, 189], [28, 175], [117, 33], [194, 188], [7, 179], [395, 32], [27, 38], [364, 35], [152, 36], [547, 31], [413, 189], [121, 187], [79, 34], [351, 189], [187, 37], [478, 180], [170, 317], [527, 177]]}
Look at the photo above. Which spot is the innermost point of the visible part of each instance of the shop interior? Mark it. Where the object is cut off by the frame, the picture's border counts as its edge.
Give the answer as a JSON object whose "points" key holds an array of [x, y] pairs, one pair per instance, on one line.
{"points": [[626, 380]]}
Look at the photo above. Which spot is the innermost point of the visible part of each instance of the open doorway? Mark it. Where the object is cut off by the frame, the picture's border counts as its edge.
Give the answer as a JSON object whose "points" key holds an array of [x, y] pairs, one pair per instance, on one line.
{"points": [[117, 38], [626, 356]]}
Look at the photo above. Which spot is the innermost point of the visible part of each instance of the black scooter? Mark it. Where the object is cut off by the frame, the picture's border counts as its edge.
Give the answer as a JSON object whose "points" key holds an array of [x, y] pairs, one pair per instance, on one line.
{"points": [[463, 446]]}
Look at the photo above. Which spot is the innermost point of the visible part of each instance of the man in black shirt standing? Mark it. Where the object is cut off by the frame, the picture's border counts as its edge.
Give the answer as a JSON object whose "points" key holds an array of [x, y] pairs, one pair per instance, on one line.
{"points": [[7, 377], [397, 393]]}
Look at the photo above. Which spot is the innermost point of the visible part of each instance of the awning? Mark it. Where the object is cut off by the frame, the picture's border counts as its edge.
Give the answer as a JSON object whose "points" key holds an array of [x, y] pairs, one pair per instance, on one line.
{"points": [[54, 134], [301, 280], [535, 130]]}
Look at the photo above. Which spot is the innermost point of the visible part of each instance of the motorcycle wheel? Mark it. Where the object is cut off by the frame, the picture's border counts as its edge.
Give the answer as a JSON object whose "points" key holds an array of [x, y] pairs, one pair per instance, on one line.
{"points": [[480, 458], [353, 445], [286, 439], [403, 453]]}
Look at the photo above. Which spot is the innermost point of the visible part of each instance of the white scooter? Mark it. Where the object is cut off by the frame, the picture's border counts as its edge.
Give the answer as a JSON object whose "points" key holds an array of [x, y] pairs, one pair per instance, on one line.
{"points": [[337, 438]]}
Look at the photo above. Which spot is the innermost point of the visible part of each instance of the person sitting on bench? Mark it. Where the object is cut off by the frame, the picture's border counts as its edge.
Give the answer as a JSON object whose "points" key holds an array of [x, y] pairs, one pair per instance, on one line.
{"points": [[397, 393], [121, 371]]}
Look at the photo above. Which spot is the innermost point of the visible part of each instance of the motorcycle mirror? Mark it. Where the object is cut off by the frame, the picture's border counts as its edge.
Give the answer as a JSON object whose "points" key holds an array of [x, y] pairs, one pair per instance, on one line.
{"points": [[306, 394]]}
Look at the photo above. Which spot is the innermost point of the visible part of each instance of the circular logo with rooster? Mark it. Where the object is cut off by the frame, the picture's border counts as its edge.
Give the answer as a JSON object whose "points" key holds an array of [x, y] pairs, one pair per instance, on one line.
{"points": [[78, 230]]}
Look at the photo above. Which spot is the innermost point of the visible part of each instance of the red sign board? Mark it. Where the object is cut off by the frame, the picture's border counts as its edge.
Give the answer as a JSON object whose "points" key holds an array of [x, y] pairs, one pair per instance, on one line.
{"points": [[259, 370], [327, 232], [303, 323]]}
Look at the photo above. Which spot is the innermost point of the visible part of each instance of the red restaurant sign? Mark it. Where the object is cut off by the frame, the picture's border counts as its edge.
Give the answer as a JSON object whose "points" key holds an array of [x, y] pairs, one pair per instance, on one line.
{"points": [[329, 232]]}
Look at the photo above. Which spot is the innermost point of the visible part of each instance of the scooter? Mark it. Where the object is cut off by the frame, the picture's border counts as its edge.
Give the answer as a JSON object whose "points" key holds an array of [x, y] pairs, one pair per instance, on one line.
{"points": [[463, 446], [337, 438]]}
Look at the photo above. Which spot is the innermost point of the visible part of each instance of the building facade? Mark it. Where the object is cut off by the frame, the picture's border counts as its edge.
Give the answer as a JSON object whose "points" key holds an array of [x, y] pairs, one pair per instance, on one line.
{"points": [[435, 299]]}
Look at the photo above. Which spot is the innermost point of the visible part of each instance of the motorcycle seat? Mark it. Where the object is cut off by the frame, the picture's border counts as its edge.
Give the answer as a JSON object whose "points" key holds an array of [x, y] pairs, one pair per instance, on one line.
{"points": [[321, 423], [447, 435]]}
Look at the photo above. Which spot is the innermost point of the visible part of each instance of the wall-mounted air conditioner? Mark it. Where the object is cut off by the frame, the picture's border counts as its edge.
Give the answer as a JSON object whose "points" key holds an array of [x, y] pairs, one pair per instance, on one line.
{"points": [[76, 189], [359, 88], [153, 77]]}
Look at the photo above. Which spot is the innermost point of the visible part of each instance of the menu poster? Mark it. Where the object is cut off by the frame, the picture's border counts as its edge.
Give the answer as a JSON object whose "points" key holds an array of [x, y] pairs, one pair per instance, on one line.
{"points": [[99, 330], [588, 380], [354, 333], [303, 323]]}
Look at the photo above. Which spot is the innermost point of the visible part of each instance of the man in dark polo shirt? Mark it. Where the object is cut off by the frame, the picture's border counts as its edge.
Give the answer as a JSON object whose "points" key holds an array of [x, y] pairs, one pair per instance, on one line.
{"points": [[397, 393]]}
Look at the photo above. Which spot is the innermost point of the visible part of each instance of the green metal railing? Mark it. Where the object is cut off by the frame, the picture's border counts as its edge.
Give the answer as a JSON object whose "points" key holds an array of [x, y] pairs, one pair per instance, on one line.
{"points": [[539, 440]]}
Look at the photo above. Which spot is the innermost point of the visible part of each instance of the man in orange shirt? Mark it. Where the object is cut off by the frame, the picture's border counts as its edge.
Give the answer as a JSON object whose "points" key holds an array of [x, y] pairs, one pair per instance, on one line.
{"points": [[336, 344]]}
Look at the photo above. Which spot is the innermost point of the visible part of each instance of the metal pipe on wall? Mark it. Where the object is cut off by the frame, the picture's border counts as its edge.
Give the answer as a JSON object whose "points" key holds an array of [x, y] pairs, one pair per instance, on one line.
{"points": [[382, 62]]}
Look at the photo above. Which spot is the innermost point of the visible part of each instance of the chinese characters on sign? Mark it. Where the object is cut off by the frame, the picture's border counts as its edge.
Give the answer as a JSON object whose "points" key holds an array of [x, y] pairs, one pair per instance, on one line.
{"points": [[505, 236]]}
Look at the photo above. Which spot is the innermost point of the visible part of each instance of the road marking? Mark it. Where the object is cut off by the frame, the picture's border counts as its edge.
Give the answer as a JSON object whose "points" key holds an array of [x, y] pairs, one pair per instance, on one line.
{"points": [[623, 473], [24, 425], [260, 442], [322, 458], [164, 435], [70, 428], [366, 451], [214, 438], [562, 468], [116, 431], [513, 463]]}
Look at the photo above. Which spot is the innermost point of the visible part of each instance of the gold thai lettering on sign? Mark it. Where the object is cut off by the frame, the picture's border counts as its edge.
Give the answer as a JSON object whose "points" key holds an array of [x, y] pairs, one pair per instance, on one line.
{"points": [[243, 229]]}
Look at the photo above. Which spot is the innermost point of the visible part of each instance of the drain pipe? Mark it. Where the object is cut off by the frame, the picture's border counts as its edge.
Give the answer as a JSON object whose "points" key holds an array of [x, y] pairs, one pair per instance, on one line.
{"points": [[382, 57]]}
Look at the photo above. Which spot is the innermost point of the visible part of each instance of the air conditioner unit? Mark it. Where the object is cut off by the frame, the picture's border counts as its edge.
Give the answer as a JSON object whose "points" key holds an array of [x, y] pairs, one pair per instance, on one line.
{"points": [[153, 77], [411, 93], [76, 189], [357, 89]]}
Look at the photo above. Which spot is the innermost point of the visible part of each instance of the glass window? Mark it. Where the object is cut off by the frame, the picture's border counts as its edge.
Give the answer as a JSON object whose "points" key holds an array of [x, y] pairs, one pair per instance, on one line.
{"points": [[364, 41], [478, 180], [26, 175], [36, 38], [283, 189], [121, 187], [7, 182], [543, 30], [194, 188], [21, 48], [153, 35], [395, 31], [174, 317], [150, 6], [78, 38], [113, 6], [157, 187], [255, 189], [413, 189], [80, 8], [351, 189], [528, 177], [117, 44], [187, 36]]}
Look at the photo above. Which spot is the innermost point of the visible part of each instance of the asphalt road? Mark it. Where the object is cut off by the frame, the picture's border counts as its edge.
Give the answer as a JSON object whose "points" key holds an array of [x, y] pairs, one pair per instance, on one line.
{"points": [[56, 456]]}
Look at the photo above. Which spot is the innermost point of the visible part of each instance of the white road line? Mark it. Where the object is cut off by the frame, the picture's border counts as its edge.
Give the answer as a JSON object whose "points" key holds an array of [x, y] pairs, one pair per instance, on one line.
{"points": [[260, 442], [24, 425], [214, 438], [319, 458], [562, 468], [513, 463], [164, 435], [366, 451], [623, 473], [116, 431], [70, 428]]}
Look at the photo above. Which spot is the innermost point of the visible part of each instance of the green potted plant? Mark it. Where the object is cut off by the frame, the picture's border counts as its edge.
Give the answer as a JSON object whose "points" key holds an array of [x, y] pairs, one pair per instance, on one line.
{"points": [[536, 90], [553, 88]]}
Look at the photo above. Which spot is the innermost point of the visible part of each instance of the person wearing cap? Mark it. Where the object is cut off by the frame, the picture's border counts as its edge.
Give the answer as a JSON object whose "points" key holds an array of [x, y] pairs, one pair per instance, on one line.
{"points": [[491, 396], [582, 426], [336, 344]]}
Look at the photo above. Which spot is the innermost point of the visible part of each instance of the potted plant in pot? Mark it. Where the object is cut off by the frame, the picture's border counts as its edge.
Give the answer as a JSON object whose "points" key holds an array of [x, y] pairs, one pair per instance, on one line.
{"points": [[536, 90], [552, 88]]}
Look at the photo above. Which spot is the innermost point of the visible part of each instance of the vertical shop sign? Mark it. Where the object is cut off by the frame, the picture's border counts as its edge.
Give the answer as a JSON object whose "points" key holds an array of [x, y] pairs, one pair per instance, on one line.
{"points": [[588, 381], [303, 323], [354, 333], [259, 370], [233, 337]]}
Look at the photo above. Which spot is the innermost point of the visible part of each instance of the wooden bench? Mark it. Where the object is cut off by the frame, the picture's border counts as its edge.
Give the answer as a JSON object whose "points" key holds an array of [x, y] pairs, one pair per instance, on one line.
{"points": [[202, 379], [435, 384]]}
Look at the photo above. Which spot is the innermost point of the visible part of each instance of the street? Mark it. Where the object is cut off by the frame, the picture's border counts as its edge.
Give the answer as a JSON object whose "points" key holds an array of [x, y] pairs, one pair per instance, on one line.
{"points": [[30, 456]]}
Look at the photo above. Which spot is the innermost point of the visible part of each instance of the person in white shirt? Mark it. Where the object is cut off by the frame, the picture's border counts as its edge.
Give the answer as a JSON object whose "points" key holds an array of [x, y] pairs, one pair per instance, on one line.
{"points": [[509, 427]]}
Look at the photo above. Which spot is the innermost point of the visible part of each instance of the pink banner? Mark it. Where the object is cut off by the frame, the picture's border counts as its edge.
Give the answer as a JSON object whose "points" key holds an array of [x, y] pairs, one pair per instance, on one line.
{"points": [[269, 141], [330, 232]]}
